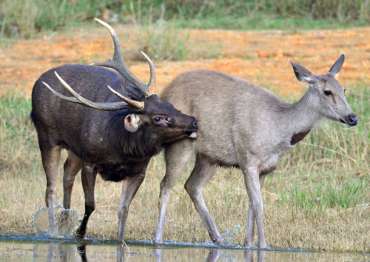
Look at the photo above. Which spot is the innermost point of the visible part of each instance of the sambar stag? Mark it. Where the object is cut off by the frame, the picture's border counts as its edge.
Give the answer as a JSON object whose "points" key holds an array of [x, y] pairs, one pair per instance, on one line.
{"points": [[109, 125]]}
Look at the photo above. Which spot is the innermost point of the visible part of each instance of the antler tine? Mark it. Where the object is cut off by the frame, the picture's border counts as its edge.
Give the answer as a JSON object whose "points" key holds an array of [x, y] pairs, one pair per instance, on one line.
{"points": [[81, 100], [68, 98], [152, 79], [118, 62], [137, 104], [117, 55]]}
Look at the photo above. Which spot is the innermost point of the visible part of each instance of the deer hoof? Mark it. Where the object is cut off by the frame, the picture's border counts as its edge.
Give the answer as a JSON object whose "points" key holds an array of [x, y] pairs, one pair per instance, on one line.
{"points": [[263, 246], [79, 234], [218, 241]]}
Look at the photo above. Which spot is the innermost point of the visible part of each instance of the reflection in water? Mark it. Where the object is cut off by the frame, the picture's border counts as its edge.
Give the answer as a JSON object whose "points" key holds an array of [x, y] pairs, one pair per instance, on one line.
{"points": [[52, 252], [249, 255]]}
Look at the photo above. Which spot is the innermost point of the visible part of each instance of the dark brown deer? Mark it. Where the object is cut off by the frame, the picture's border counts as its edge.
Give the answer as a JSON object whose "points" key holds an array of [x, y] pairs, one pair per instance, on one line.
{"points": [[244, 126], [109, 125]]}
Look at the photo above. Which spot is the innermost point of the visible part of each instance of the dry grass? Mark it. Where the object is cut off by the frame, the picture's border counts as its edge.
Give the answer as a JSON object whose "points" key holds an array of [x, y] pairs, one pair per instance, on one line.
{"points": [[319, 198]]}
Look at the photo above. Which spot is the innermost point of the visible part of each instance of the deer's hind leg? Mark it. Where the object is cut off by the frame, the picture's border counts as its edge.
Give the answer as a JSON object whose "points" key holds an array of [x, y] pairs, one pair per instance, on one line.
{"points": [[50, 160], [72, 165]]}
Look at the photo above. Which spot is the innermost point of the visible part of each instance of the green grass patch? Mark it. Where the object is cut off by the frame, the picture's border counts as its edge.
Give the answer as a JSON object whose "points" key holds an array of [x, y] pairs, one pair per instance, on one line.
{"points": [[327, 194], [263, 21], [17, 135], [23, 18]]}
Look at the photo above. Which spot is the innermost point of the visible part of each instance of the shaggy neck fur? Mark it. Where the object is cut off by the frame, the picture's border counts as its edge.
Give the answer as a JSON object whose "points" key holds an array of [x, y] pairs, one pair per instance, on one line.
{"points": [[143, 143]]}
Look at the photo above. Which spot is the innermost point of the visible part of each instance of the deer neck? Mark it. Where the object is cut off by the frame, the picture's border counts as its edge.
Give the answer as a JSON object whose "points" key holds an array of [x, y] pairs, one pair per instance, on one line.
{"points": [[302, 116]]}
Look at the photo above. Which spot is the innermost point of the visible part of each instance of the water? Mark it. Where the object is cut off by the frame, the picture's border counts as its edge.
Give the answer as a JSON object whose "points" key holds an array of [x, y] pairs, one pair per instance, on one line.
{"points": [[62, 250]]}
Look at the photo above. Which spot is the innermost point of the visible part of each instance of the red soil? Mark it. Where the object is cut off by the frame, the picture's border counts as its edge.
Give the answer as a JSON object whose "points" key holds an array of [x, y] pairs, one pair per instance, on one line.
{"points": [[261, 57]]}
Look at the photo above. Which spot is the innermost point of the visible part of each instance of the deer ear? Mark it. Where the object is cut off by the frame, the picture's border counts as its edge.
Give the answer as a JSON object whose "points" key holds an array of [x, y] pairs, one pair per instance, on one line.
{"points": [[334, 69], [303, 74], [132, 122]]}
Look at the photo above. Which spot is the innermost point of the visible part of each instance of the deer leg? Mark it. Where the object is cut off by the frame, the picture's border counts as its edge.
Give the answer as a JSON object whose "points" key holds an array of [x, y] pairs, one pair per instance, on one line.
{"points": [[72, 165], [176, 158], [129, 188], [88, 177], [252, 183], [250, 226], [200, 176], [50, 161], [251, 219]]}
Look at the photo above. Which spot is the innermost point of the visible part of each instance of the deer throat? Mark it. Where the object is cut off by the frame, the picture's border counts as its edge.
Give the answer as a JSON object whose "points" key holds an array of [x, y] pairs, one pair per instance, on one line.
{"points": [[298, 137]]}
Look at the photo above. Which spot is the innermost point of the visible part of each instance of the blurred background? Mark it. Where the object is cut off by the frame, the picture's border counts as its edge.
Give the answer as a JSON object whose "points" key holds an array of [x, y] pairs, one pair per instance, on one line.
{"points": [[320, 188], [25, 18]]}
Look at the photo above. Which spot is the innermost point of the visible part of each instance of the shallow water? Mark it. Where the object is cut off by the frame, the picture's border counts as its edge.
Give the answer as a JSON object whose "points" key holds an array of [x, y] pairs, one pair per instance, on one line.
{"points": [[61, 251]]}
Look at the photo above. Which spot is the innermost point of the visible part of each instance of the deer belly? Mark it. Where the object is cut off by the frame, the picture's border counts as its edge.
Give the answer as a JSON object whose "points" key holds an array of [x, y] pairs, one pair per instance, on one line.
{"points": [[118, 172]]}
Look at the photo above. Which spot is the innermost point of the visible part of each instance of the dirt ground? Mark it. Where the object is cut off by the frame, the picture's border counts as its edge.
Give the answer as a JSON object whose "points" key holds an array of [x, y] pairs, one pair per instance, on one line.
{"points": [[261, 57]]}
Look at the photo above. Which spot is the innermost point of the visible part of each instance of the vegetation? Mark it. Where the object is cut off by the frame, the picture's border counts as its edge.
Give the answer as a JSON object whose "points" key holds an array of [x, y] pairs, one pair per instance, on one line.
{"points": [[24, 18], [318, 196], [320, 188], [162, 41]]}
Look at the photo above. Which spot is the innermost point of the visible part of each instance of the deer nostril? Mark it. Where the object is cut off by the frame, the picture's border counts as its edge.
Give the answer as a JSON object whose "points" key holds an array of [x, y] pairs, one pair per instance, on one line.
{"points": [[194, 123], [352, 119]]}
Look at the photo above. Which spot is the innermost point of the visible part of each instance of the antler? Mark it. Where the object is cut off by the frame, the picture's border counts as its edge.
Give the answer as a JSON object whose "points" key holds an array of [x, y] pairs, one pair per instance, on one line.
{"points": [[137, 104], [118, 63], [77, 98]]}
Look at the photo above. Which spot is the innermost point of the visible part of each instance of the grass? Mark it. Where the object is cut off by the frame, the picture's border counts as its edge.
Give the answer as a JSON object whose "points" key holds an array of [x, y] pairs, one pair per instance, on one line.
{"points": [[22, 18], [263, 21], [320, 188], [163, 40], [330, 194]]}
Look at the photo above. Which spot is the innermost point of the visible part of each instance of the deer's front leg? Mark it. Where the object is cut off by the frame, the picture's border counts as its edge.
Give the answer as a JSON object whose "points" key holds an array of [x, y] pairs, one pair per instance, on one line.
{"points": [[129, 188], [251, 218], [88, 178], [253, 186]]}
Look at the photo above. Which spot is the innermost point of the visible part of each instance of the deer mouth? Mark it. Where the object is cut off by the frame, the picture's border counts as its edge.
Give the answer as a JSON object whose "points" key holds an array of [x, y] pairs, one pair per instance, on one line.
{"points": [[350, 120], [191, 133]]}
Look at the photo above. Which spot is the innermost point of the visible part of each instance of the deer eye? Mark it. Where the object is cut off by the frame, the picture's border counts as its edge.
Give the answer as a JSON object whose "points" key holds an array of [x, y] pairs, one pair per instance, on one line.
{"points": [[328, 92], [157, 118]]}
